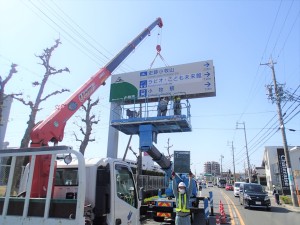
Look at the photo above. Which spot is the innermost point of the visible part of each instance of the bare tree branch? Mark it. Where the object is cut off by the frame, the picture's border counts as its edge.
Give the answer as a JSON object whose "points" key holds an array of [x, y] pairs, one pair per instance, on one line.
{"points": [[88, 122], [12, 71], [35, 105], [28, 103], [54, 93], [59, 71], [82, 131], [4, 96], [36, 83], [76, 139]]}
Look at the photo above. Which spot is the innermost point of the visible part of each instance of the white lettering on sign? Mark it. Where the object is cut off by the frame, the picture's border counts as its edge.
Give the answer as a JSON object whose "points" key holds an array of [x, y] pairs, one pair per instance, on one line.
{"points": [[284, 172]]}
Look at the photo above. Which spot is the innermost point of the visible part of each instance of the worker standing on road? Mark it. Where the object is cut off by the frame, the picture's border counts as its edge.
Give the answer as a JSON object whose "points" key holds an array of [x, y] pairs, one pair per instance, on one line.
{"points": [[182, 195], [276, 194]]}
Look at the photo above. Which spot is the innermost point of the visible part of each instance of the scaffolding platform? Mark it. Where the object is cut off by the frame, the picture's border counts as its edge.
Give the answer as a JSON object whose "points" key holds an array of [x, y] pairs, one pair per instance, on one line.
{"points": [[163, 124]]}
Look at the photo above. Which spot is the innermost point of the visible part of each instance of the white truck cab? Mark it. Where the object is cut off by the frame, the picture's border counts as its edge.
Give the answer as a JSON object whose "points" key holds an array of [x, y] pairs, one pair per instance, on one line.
{"points": [[85, 191], [110, 189]]}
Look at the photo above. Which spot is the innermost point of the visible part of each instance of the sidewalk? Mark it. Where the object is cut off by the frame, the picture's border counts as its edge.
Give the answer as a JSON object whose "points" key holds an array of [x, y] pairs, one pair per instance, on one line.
{"points": [[287, 206], [291, 208]]}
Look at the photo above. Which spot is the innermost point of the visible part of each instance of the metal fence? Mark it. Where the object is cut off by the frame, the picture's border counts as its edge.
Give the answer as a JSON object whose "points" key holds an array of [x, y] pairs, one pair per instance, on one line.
{"points": [[151, 182], [147, 182], [149, 109], [4, 172]]}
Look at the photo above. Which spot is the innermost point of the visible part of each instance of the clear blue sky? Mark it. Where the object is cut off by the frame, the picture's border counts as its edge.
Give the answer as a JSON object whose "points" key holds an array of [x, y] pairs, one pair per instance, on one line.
{"points": [[236, 35]]}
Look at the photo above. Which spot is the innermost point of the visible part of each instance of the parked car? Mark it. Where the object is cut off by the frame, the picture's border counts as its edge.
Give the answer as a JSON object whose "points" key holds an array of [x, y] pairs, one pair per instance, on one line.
{"points": [[229, 187], [253, 195], [236, 188]]}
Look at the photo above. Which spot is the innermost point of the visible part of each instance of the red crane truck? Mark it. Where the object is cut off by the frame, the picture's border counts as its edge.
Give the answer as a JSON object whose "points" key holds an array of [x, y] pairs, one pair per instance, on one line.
{"points": [[46, 201]]}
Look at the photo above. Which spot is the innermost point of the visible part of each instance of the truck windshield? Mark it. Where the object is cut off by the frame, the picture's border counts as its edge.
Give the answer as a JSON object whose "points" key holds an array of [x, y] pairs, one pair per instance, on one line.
{"points": [[125, 185], [66, 177]]}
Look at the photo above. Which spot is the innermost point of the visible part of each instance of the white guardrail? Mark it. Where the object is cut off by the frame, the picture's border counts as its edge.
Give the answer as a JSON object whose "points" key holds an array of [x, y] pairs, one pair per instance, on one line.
{"points": [[44, 219]]}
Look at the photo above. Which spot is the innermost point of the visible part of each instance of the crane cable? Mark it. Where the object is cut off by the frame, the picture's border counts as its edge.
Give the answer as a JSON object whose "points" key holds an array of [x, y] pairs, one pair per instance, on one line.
{"points": [[158, 50]]}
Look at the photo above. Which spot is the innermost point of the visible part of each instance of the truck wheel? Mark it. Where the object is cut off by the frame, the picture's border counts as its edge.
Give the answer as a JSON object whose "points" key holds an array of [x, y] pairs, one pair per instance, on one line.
{"points": [[158, 219], [87, 222], [192, 217]]}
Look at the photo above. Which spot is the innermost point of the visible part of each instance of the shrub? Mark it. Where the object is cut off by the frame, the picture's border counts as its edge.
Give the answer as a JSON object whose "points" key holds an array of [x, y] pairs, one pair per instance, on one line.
{"points": [[286, 199]]}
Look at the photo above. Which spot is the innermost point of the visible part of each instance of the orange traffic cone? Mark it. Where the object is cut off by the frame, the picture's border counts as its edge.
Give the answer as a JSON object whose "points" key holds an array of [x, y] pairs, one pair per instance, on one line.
{"points": [[222, 212], [220, 206], [217, 220]]}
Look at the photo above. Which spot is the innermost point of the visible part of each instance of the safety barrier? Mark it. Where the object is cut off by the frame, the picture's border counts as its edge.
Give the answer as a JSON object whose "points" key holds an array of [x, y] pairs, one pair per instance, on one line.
{"points": [[126, 109], [211, 203], [206, 211]]}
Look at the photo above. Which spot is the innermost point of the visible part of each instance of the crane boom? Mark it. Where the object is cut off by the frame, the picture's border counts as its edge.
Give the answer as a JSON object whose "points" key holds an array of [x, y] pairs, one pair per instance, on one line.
{"points": [[52, 128]]}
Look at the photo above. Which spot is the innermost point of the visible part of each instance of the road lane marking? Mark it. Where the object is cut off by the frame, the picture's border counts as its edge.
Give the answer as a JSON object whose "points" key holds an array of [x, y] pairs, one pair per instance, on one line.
{"points": [[230, 212], [237, 211], [235, 217]]}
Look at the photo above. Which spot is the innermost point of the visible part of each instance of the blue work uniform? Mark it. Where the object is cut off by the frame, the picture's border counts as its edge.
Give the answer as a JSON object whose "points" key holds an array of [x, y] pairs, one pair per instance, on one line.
{"points": [[182, 204]]}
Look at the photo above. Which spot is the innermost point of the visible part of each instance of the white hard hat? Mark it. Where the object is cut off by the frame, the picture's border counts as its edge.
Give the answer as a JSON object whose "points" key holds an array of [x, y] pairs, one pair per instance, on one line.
{"points": [[131, 189], [181, 184], [273, 185]]}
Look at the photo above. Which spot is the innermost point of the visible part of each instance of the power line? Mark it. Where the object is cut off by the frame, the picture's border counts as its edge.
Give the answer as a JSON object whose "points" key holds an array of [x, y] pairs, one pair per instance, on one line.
{"points": [[270, 34], [73, 30], [283, 46], [281, 29], [72, 41]]}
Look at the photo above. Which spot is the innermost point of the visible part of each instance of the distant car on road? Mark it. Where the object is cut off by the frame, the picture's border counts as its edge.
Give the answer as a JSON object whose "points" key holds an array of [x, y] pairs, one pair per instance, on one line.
{"points": [[210, 184], [236, 188], [253, 195], [229, 187], [202, 185]]}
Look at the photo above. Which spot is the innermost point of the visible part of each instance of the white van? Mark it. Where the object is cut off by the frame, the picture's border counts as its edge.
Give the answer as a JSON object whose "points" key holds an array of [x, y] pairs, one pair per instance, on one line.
{"points": [[210, 184], [236, 189]]}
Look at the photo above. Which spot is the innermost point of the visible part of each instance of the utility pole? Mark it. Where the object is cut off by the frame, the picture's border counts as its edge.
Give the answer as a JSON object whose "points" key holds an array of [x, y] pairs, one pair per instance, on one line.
{"points": [[168, 149], [282, 127], [245, 170], [247, 153], [232, 148], [221, 166]]}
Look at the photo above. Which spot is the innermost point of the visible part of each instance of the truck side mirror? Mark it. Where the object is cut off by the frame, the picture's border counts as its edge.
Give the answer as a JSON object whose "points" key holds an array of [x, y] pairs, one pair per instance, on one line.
{"points": [[141, 194]]}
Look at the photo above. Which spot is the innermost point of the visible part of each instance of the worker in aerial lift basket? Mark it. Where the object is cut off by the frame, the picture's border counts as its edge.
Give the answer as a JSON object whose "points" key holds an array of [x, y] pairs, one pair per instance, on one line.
{"points": [[162, 107], [177, 105], [182, 195]]}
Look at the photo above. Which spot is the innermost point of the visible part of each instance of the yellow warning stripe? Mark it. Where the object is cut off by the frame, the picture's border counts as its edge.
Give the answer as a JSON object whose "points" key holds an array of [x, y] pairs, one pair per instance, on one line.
{"points": [[167, 204], [161, 214]]}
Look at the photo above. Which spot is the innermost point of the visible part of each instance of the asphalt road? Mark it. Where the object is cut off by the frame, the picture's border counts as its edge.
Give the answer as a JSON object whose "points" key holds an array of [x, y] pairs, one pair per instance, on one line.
{"points": [[235, 214]]}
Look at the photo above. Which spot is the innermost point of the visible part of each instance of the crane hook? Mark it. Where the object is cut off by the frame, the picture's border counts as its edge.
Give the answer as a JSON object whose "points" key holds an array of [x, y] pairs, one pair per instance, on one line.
{"points": [[158, 48]]}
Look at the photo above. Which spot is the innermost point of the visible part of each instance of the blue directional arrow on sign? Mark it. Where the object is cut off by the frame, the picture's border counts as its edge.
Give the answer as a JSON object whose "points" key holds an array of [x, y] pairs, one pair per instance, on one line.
{"points": [[207, 84], [195, 79], [207, 74]]}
